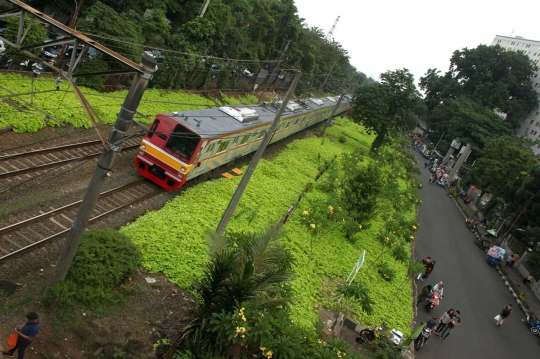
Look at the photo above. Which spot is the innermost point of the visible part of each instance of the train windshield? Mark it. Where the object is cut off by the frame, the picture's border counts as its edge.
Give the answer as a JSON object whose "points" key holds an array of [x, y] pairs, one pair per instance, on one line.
{"points": [[183, 143]]}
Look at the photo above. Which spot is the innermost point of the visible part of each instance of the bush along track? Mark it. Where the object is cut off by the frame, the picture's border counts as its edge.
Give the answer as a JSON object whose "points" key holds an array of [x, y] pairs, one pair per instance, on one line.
{"points": [[65, 106], [364, 202]]}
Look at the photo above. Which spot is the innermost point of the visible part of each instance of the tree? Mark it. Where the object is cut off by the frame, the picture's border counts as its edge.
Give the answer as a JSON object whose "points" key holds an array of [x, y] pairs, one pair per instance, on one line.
{"points": [[504, 162], [36, 35], [104, 21], [469, 121], [438, 88], [496, 78], [386, 108], [252, 270]]}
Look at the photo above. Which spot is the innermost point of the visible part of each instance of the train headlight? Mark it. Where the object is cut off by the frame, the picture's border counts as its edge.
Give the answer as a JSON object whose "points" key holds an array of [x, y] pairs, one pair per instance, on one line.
{"points": [[143, 147], [182, 170]]}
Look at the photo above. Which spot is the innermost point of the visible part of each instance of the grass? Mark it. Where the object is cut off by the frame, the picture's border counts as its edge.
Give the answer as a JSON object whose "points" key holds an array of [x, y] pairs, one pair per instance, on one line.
{"points": [[179, 248]]}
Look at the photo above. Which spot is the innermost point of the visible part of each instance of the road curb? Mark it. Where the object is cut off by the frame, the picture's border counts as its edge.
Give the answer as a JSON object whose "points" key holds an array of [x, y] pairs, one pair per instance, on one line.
{"points": [[514, 295]]}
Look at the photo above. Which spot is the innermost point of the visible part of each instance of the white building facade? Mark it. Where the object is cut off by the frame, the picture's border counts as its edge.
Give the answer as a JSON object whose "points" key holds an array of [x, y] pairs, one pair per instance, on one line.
{"points": [[529, 122]]}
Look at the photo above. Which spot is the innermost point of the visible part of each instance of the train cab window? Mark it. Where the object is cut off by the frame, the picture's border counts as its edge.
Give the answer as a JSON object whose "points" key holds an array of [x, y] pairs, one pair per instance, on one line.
{"points": [[182, 142], [153, 129]]}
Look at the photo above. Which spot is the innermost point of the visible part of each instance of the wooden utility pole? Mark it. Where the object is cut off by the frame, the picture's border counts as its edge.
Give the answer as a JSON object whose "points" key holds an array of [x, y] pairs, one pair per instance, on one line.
{"points": [[255, 160], [123, 121]]}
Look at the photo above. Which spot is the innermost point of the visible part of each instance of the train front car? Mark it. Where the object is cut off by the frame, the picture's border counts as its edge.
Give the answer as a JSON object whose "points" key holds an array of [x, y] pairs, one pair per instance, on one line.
{"points": [[167, 152]]}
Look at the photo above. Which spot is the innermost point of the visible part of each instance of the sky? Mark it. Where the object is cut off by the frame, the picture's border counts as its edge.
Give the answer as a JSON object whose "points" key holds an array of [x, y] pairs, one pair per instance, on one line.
{"points": [[384, 35]]}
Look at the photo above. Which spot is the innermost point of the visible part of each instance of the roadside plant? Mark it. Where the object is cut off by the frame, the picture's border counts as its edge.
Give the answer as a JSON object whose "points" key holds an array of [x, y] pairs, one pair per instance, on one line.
{"points": [[386, 272]]}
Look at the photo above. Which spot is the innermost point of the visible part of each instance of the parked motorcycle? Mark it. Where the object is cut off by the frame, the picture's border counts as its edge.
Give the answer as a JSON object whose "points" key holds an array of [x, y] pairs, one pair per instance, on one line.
{"points": [[434, 301], [534, 324], [483, 243], [422, 338], [368, 334]]}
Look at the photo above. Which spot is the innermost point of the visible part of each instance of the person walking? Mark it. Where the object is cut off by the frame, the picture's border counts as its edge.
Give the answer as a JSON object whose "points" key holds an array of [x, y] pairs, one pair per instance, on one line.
{"points": [[27, 333], [505, 313], [455, 321], [423, 294], [443, 321]]}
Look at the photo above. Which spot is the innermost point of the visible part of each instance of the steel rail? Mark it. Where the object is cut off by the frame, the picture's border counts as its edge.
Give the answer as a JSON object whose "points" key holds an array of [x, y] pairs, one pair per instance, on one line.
{"points": [[57, 163], [72, 205], [49, 149]]}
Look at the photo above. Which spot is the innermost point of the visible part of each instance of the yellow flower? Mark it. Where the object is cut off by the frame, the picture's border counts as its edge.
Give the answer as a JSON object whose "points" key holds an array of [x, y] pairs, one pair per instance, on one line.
{"points": [[262, 349], [414, 227], [340, 209], [411, 237], [243, 336], [305, 213], [360, 226], [330, 208], [313, 226]]}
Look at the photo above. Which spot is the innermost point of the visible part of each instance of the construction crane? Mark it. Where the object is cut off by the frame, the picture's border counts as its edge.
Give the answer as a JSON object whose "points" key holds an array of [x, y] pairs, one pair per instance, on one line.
{"points": [[328, 36]]}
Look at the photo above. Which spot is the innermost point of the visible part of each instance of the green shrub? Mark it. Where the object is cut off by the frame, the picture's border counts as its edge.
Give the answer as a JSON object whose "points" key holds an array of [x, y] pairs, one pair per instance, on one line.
{"points": [[386, 272], [104, 260], [342, 139]]}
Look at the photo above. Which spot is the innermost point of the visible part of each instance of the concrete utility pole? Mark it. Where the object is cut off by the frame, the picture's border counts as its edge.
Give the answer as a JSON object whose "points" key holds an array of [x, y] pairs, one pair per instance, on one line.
{"points": [[274, 73], [332, 114], [123, 121], [255, 160], [328, 75], [203, 9]]}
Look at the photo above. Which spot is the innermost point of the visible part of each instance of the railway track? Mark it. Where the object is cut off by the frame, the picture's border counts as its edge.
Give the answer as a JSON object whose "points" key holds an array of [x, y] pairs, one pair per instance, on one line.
{"points": [[45, 226], [25, 170]]}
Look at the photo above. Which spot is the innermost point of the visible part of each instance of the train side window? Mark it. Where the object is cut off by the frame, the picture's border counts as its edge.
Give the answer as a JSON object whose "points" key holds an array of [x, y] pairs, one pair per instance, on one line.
{"points": [[244, 139], [222, 146], [211, 147], [153, 128]]}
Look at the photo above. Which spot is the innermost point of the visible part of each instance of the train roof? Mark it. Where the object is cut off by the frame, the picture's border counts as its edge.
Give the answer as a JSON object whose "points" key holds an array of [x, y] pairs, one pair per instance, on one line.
{"points": [[213, 122]]}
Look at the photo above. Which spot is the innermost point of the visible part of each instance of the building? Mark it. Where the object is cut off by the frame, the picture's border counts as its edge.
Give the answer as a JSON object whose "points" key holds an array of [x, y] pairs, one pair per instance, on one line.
{"points": [[529, 122]]}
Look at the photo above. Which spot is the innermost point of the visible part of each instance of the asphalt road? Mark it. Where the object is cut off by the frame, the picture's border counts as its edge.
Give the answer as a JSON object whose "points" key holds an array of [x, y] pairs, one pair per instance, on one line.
{"points": [[470, 285]]}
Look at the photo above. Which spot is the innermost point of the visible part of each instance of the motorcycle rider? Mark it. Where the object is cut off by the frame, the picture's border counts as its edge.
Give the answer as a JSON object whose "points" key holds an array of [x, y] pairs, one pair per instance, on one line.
{"points": [[437, 288], [429, 264], [430, 324]]}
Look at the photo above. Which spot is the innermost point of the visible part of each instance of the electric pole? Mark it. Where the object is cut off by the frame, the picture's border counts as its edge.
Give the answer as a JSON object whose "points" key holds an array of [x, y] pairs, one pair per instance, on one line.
{"points": [[255, 160], [123, 120], [328, 75], [328, 36], [333, 113], [274, 72], [204, 7]]}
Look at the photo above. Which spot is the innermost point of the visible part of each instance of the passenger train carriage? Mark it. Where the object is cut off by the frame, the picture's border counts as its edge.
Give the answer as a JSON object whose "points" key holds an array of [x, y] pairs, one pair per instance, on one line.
{"points": [[182, 145]]}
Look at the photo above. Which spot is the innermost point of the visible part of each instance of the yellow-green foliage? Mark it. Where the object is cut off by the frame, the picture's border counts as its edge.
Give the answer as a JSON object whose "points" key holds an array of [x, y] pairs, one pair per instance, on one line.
{"points": [[65, 106], [173, 239]]}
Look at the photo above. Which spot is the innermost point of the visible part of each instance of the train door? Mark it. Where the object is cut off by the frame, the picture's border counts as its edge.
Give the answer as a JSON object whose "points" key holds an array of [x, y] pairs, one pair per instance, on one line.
{"points": [[203, 162]]}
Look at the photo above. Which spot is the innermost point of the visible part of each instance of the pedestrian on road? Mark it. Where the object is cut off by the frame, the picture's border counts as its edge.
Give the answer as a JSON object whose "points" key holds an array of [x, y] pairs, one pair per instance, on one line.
{"points": [[527, 279], [443, 321], [505, 313], [423, 294], [452, 323], [27, 333]]}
